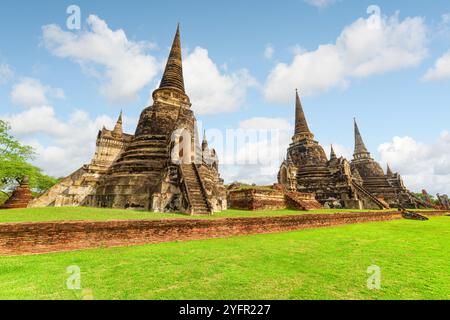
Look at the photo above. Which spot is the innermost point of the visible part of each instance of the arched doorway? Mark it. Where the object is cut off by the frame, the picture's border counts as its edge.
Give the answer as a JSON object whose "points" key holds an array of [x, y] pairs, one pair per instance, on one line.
{"points": [[283, 176]]}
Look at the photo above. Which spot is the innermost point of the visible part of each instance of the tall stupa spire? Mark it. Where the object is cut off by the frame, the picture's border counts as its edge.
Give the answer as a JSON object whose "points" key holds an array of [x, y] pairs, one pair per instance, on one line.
{"points": [[301, 126], [204, 141], [118, 128], [173, 74], [360, 147], [332, 154]]}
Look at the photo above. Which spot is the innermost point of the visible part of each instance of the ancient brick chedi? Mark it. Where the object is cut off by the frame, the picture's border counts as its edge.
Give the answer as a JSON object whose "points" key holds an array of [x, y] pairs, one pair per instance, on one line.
{"points": [[389, 186], [21, 196], [335, 181], [77, 188], [162, 167]]}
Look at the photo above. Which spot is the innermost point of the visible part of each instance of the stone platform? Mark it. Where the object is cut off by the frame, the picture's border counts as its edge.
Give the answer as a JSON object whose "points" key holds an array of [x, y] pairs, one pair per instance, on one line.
{"points": [[275, 198], [46, 237]]}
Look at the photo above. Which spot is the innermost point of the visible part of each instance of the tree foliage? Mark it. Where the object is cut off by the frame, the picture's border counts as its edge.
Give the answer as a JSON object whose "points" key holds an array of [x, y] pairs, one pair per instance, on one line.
{"points": [[14, 163]]}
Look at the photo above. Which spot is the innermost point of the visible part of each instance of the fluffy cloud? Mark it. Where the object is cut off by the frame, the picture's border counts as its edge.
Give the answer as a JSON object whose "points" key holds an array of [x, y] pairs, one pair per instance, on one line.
{"points": [[122, 65], [6, 73], [256, 151], [320, 3], [213, 91], [441, 69], [36, 120], [68, 143], [421, 165], [363, 48], [30, 92]]}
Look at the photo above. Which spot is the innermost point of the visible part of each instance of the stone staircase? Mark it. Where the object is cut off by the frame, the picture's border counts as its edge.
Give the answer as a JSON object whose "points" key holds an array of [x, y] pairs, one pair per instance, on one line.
{"points": [[195, 190], [296, 200], [362, 191]]}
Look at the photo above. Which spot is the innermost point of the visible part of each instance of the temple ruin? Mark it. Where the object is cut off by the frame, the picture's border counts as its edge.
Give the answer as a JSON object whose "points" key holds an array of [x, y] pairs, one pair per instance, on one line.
{"points": [[336, 182], [21, 196], [162, 167], [389, 186]]}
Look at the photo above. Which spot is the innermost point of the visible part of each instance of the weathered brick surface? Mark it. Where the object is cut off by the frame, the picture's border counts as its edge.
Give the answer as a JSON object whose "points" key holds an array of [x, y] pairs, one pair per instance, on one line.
{"points": [[271, 199], [20, 198], [256, 199], [30, 238], [301, 201]]}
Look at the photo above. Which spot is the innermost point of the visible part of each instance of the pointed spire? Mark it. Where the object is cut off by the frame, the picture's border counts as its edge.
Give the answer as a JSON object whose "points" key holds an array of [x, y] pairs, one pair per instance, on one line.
{"points": [[333, 154], [360, 147], [389, 172], [173, 74], [205, 141], [118, 128], [301, 126]]}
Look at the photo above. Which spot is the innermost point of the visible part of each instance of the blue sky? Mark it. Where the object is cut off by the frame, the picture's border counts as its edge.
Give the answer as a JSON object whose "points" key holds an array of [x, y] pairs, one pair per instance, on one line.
{"points": [[57, 87]]}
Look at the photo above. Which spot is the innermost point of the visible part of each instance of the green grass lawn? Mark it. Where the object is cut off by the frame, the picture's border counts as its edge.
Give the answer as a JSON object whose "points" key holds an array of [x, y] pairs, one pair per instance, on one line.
{"points": [[329, 263], [94, 214]]}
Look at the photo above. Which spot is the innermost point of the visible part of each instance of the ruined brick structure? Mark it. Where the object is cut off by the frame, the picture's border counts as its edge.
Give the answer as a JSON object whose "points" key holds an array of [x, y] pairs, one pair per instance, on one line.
{"points": [[21, 196], [444, 202], [76, 189], [274, 198], [389, 187], [44, 237], [162, 167], [308, 170]]}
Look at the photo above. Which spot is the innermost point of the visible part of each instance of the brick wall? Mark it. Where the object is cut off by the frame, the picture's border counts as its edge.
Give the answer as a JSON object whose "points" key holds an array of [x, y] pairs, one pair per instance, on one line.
{"points": [[256, 199], [55, 236], [27, 238]]}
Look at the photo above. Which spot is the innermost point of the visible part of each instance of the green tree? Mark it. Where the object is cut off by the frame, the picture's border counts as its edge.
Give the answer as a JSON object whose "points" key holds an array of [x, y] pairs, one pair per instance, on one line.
{"points": [[14, 163]]}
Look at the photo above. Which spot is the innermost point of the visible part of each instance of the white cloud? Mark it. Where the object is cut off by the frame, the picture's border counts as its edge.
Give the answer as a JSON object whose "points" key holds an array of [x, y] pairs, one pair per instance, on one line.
{"points": [[35, 120], [320, 3], [68, 144], [6, 73], [440, 70], [122, 65], [213, 91], [421, 165], [269, 51], [361, 50], [258, 151], [30, 92], [61, 145]]}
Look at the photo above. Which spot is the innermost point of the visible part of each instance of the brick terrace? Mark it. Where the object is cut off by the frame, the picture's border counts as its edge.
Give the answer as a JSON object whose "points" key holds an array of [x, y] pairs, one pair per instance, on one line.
{"points": [[45, 237]]}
